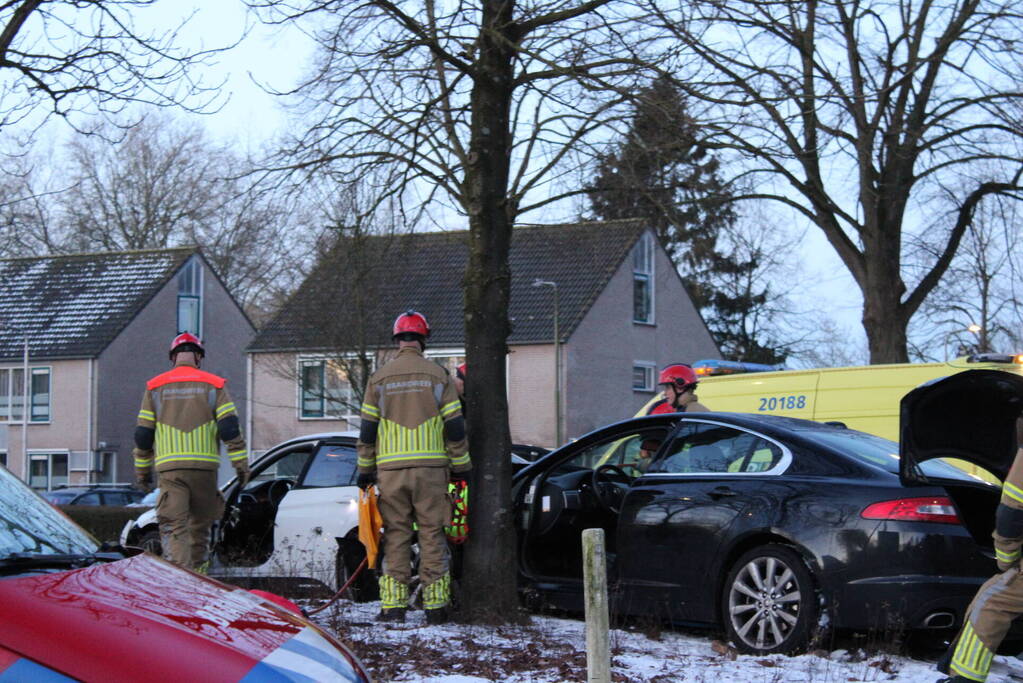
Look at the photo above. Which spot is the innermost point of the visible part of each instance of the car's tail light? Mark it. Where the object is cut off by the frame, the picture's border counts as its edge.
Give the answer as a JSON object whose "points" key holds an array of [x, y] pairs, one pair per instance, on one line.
{"points": [[935, 509]]}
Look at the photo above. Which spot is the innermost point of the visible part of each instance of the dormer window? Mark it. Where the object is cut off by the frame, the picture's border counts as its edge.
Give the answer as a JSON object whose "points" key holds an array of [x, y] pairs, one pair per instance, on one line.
{"points": [[643, 280], [190, 298]]}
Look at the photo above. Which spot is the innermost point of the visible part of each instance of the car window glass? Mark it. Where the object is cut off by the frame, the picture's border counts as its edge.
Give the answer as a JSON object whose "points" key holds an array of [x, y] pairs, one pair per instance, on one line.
{"points": [[631, 451], [88, 499], [718, 449], [288, 466], [30, 524], [333, 465], [59, 497], [880, 452], [116, 497]]}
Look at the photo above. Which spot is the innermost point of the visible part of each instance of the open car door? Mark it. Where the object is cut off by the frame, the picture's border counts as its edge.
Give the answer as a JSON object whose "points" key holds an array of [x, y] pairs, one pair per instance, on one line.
{"points": [[971, 416]]}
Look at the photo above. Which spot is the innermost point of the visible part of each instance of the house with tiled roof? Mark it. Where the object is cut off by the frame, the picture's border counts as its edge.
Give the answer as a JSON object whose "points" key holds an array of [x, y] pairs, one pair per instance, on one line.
{"points": [[88, 330], [622, 313]]}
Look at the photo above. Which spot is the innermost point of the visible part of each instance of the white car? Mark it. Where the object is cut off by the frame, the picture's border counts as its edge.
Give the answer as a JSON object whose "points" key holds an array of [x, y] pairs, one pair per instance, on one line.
{"points": [[295, 523]]}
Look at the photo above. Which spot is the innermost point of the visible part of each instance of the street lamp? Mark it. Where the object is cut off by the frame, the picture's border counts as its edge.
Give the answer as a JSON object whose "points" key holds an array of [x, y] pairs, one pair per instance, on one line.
{"points": [[972, 327], [557, 360], [24, 394]]}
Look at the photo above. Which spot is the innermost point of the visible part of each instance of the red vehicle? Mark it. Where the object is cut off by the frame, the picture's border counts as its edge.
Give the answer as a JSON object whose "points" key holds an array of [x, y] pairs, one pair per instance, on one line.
{"points": [[69, 610]]}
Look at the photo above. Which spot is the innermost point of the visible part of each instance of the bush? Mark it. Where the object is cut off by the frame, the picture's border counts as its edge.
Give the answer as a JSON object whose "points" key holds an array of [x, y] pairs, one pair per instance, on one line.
{"points": [[102, 521]]}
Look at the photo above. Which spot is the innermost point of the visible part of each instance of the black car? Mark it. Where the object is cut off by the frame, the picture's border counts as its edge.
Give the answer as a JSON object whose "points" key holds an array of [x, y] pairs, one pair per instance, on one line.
{"points": [[774, 527], [94, 495]]}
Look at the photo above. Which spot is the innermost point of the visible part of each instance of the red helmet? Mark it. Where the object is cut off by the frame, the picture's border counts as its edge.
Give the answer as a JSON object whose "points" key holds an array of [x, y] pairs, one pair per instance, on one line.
{"points": [[679, 374], [189, 341], [460, 372], [411, 322]]}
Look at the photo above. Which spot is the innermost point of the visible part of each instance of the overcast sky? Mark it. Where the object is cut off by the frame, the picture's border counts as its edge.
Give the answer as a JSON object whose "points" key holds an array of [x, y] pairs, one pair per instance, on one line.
{"points": [[278, 57]]}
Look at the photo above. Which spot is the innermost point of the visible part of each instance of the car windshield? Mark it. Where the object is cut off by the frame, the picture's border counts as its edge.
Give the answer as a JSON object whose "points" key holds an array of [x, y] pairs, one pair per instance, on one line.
{"points": [[880, 452], [28, 524]]}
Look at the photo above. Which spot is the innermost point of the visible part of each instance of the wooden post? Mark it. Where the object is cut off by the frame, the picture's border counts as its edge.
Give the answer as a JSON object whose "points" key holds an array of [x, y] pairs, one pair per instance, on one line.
{"points": [[598, 648]]}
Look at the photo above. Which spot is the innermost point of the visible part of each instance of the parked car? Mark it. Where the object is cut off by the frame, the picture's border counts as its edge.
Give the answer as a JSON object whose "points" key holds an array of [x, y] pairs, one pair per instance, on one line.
{"points": [[294, 526], [73, 611], [148, 500], [771, 526], [94, 495]]}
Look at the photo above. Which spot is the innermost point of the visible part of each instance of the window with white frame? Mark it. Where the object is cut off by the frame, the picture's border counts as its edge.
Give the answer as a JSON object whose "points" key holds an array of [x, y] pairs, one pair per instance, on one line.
{"points": [[190, 297], [447, 358], [643, 375], [324, 390], [47, 470], [643, 280], [12, 394], [106, 467]]}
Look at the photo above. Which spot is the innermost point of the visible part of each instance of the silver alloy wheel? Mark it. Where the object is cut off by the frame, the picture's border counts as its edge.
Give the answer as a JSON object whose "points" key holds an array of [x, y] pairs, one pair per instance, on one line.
{"points": [[764, 602]]}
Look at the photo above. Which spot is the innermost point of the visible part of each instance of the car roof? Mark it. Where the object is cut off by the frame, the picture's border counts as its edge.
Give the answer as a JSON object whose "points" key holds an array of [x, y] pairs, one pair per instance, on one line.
{"points": [[76, 491], [781, 422], [749, 420], [317, 436]]}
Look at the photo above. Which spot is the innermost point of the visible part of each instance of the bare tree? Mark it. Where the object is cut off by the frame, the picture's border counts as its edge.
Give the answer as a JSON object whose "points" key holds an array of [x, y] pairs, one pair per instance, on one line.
{"points": [[164, 184], [975, 308], [852, 112], [75, 59], [474, 108], [752, 298], [340, 304], [26, 221]]}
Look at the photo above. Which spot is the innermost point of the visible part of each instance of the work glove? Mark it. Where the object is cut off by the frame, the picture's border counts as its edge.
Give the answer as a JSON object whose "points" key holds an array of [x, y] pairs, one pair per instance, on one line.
{"points": [[243, 475], [459, 478], [144, 479], [364, 481]]}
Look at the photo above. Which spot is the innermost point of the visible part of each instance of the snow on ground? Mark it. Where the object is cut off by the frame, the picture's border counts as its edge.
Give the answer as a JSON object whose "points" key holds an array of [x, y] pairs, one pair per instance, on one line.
{"points": [[552, 650]]}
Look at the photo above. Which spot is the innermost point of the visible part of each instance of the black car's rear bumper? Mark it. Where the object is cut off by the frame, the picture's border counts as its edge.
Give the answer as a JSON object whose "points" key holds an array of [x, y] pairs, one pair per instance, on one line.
{"points": [[906, 602]]}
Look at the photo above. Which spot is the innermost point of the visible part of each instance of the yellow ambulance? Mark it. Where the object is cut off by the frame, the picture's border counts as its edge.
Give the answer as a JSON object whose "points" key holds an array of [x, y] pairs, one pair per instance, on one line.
{"points": [[862, 397]]}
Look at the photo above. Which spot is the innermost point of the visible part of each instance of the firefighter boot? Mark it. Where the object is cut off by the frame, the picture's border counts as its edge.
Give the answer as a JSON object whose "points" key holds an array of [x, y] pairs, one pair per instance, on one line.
{"points": [[436, 597], [393, 599]]}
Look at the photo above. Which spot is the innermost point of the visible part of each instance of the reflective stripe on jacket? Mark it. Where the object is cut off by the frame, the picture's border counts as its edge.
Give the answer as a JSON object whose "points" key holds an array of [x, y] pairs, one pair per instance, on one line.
{"points": [[190, 411], [411, 417]]}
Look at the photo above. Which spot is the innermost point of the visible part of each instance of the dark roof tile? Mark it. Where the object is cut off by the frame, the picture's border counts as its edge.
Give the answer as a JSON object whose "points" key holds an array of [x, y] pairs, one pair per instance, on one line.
{"points": [[74, 306], [424, 271]]}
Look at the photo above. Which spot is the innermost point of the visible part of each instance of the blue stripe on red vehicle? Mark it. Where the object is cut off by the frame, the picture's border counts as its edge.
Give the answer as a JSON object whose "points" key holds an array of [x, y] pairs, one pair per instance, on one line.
{"points": [[7, 658], [27, 670], [306, 656], [264, 673], [330, 660]]}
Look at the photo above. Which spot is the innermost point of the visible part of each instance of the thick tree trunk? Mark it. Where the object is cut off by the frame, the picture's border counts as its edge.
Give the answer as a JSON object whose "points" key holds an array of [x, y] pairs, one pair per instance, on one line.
{"points": [[489, 570], [884, 316], [886, 329]]}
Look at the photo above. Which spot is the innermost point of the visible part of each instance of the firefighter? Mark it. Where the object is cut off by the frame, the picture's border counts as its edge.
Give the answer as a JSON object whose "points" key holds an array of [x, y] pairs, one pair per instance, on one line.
{"points": [[1000, 599], [679, 382], [184, 413], [412, 444]]}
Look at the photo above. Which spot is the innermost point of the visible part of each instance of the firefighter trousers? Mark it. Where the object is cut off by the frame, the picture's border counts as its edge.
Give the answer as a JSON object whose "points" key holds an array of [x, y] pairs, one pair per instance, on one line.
{"points": [[415, 495], [988, 618], [188, 505]]}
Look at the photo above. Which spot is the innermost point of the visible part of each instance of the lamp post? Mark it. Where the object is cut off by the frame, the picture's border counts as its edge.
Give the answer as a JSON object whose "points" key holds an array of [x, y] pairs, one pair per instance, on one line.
{"points": [[24, 396], [972, 327], [557, 360]]}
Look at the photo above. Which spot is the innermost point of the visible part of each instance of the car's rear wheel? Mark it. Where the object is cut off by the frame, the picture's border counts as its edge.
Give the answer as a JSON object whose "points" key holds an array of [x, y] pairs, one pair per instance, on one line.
{"points": [[769, 603], [150, 542]]}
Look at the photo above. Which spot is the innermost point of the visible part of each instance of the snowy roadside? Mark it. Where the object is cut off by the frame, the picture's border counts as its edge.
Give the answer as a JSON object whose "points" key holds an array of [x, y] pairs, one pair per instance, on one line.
{"points": [[552, 650]]}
